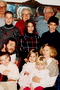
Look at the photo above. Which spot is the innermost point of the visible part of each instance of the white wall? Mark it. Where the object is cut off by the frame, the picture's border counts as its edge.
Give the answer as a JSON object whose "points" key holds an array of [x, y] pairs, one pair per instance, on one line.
{"points": [[47, 2]]}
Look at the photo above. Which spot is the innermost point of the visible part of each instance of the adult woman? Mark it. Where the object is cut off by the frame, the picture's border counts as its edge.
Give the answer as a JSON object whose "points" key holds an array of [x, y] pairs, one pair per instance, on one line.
{"points": [[24, 14]]}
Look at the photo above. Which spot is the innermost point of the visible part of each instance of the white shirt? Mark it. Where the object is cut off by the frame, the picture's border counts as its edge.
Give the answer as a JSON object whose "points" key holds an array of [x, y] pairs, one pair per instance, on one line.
{"points": [[14, 72]]}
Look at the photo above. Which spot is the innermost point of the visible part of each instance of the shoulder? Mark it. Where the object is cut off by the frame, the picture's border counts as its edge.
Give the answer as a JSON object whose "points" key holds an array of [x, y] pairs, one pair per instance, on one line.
{"points": [[20, 22], [45, 33]]}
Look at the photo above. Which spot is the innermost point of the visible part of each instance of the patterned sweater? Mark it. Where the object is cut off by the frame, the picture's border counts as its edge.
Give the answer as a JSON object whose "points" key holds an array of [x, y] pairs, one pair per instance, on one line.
{"points": [[29, 41], [7, 31]]}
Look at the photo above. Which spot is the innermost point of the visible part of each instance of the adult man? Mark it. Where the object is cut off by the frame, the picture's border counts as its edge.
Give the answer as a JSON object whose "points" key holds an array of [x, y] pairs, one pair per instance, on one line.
{"points": [[9, 46], [3, 7], [41, 25], [39, 14]]}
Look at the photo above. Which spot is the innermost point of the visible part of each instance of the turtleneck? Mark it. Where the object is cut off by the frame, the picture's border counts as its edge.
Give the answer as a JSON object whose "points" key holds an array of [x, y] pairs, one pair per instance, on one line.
{"points": [[8, 26], [30, 34]]}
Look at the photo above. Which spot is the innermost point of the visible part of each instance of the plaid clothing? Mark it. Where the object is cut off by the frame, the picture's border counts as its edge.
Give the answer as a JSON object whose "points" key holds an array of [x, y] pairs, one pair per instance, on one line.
{"points": [[29, 41]]}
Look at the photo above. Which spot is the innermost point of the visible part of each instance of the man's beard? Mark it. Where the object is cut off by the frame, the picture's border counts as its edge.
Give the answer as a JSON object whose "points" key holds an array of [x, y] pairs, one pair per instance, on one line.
{"points": [[9, 52]]}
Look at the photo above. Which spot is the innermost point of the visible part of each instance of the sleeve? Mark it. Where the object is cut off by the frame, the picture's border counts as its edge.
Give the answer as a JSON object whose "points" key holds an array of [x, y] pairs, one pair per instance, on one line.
{"points": [[53, 80], [3, 77]]}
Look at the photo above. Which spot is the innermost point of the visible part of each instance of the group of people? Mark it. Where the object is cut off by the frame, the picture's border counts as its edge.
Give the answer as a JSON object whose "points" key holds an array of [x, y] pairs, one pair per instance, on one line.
{"points": [[20, 45]]}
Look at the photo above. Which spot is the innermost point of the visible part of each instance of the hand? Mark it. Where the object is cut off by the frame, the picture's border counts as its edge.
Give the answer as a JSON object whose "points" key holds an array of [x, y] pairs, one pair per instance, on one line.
{"points": [[16, 62], [36, 79], [26, 73], [26, 60], [21, 88], [56, 61], [6, 72]]}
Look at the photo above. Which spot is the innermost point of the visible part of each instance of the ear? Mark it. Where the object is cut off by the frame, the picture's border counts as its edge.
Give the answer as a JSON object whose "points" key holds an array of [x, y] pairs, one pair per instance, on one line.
{"points": [[13, 19]]}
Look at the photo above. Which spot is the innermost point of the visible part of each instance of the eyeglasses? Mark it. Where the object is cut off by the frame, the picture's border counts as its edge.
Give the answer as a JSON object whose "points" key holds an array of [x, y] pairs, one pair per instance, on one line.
{"points": [[2, 6]]}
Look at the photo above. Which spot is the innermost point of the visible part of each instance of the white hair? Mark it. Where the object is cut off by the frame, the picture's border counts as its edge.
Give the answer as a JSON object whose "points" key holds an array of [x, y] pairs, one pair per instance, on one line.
{"points": [[20, 11], [48, 7]]}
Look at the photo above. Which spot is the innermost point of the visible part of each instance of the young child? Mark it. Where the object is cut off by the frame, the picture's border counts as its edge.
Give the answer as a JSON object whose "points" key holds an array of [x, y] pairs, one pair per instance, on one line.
{"points": [[27, 67], [10, 70], [41, 73], [52, 36]]}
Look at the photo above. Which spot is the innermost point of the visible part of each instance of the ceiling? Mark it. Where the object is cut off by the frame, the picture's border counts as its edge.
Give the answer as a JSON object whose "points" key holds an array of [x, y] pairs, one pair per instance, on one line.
{"points": [[45, 2]]}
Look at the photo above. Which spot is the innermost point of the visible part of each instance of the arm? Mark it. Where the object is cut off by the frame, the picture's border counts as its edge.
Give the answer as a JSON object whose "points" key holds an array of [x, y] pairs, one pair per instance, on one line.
{"points": [[3, 77], [36, 79]]}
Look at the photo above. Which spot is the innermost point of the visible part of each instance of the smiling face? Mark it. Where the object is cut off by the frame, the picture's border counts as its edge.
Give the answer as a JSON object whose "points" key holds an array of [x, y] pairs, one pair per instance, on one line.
{"points": [[48, 13], [26, 15], [40, 66], [10, 47], [8, 18], [32, 57], [5, 59], [30, 27], [52, 26]]}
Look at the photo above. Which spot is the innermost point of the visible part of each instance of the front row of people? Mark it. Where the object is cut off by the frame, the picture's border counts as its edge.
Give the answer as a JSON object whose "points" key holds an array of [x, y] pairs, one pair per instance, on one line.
{"points": [[38, 73]]}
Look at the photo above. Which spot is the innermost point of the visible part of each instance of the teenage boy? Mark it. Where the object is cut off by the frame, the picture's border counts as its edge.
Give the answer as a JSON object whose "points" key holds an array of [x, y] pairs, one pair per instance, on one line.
{"points": [[52, 36], [10, 70], [8, 30]]}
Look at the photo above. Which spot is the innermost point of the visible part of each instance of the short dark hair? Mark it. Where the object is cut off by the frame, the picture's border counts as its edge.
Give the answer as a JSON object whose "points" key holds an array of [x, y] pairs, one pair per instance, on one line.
{"points": [[9, 12], [40, 10], [3, 53], [53, 19], [6, 41]]}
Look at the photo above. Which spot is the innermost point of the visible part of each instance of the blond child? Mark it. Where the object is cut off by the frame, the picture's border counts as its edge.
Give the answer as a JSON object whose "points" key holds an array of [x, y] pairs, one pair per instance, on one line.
{"points": [[27, 68], [41, 73]]}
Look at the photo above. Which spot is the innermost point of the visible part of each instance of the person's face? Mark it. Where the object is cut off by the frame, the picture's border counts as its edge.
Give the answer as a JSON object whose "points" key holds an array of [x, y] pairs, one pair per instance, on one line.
{"points": [[46, 52], [5, 60], [48, 13], [52, 26], [2, 7], [32, 57], [30, 28], [8, 19], [40, 66], [25, 15], [10, 47]]}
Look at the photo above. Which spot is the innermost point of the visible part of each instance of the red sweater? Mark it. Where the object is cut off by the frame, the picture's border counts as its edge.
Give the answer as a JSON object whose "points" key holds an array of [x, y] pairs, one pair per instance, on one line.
{"points": [[20, 25]]}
